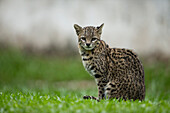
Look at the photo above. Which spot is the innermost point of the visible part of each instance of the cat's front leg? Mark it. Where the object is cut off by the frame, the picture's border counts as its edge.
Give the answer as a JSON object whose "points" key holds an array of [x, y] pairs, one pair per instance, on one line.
{"points": [[101, 84]]}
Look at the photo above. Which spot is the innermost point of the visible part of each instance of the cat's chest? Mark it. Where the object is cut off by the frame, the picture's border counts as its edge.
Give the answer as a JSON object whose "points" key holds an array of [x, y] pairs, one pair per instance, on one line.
{"points": [[89, 62]]}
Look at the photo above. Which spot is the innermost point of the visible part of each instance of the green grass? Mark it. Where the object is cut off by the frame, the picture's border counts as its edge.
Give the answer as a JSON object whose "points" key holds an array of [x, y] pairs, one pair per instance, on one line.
{"points": [[70, 101], [30, 83]]}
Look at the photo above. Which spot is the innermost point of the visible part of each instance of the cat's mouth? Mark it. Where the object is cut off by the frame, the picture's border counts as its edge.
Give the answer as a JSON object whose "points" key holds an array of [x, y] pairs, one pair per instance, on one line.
{"points": [[88, 48]]}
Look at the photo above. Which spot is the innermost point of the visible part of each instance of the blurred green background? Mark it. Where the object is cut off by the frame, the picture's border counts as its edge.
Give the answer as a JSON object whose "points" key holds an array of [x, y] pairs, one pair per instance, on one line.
{"points": [[21, 69]]}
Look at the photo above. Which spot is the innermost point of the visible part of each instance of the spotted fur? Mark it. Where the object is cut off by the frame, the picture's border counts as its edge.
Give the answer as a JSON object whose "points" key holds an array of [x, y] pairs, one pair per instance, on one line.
{"points": [[118, 72]]}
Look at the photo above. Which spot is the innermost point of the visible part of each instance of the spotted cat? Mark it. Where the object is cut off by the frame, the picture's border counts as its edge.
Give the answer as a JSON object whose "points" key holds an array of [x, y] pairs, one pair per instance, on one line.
{"points": [[118, 72]]}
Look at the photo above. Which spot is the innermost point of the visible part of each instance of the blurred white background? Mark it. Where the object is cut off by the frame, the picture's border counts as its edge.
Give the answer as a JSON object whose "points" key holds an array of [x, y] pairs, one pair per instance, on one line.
{"points": [[142, 25]]}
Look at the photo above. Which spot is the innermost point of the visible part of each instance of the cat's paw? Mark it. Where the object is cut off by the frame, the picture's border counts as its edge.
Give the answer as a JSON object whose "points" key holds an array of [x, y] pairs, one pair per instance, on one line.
{"points": [[86, 97]]}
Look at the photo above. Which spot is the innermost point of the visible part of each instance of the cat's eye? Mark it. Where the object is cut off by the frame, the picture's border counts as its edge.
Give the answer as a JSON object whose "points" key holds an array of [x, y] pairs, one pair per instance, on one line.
{"points": [[93, 39], [83, 38]]}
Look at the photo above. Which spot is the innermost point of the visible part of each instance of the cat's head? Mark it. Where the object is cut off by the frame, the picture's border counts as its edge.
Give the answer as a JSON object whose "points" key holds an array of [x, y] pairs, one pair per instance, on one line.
{"points": [[88, 37]]}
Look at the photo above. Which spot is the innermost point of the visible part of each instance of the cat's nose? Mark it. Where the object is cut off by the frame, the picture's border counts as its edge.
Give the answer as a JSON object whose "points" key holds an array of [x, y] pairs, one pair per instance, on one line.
{"points": [[87, 44]]}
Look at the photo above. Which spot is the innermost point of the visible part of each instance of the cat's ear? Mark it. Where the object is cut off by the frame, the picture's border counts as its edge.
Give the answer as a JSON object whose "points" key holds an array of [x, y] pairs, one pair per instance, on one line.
{"points": [[99, 29], [78, 29]]}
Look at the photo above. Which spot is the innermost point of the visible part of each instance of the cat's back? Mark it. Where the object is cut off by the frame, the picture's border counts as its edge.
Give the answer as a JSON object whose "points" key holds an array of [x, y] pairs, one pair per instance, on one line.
{"points": [[125, 58], [125, 65]]}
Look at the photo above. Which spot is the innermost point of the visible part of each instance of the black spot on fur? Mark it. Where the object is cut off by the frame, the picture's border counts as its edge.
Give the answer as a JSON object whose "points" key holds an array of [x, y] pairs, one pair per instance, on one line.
{"points": [[86, 59], [97, 76], [108, 89]]}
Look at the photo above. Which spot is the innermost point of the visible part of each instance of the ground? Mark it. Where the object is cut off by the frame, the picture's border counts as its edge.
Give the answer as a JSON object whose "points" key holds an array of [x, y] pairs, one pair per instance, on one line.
{"points": [[30, 83]]}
